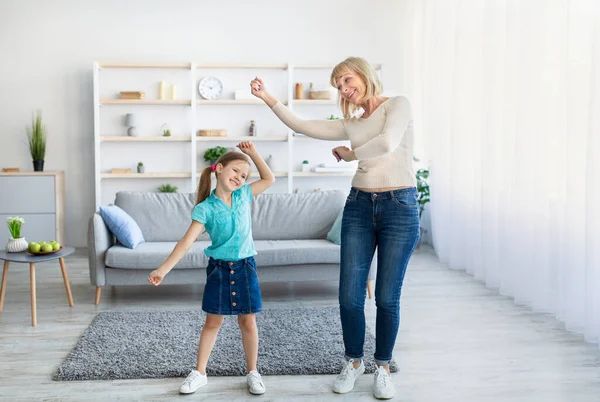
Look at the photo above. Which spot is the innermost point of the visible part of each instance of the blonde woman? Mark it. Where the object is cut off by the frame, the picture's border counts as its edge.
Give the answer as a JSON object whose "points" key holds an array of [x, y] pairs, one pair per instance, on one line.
{"points": [[381, 210]]}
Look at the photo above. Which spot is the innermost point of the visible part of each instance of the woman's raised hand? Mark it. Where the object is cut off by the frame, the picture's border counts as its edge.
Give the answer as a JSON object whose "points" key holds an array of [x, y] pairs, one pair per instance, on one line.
{"points": [[257, 87]]}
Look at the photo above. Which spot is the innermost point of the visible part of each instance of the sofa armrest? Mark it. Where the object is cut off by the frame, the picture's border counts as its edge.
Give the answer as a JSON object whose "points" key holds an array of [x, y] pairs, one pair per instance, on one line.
{"points": [[100, 239]]}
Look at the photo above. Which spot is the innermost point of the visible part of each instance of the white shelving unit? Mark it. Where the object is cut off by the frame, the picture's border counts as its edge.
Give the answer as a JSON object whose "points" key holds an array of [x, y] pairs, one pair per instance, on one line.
{"points": [[111, 144]]}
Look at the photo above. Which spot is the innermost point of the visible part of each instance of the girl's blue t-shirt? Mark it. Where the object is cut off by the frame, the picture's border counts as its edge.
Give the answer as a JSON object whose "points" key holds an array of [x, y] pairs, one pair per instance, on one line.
{"points": [[230, 229]]}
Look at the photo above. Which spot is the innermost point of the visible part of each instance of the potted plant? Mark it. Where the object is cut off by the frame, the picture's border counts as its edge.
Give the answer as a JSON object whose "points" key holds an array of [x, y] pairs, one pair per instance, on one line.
{"points": [[36, 138], [165, 130], [140, 167], [305, 167], [16, 243], [167, 188], [212, 154], [422, 189], [422, 196]]}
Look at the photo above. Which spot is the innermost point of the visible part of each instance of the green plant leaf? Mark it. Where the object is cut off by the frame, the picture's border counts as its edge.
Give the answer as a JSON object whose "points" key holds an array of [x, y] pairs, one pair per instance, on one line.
{"points": [[212, 154], [167, 188], [422, 176], [36, 137]]}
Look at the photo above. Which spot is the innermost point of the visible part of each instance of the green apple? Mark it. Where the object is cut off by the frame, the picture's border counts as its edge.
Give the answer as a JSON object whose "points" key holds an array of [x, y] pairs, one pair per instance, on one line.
{"points": [[41, 243], [47, 247], [55, 245], [34, 247]]}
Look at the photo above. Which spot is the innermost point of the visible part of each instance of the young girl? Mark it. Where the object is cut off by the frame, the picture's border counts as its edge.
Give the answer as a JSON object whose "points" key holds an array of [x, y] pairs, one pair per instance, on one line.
{"points": [[231, 280]]}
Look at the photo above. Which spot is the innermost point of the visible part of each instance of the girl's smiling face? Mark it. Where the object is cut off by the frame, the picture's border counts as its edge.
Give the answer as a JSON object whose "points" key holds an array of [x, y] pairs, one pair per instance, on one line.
{"points": [[233, 176]]}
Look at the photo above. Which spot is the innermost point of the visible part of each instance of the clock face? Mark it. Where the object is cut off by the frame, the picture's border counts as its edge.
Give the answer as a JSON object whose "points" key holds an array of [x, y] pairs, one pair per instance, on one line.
{"points": [[210, 88]]}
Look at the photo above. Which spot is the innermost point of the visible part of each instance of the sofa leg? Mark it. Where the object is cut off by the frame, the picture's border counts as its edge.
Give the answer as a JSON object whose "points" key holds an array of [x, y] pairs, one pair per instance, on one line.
{"points": [[98, 292], [370, 288]]}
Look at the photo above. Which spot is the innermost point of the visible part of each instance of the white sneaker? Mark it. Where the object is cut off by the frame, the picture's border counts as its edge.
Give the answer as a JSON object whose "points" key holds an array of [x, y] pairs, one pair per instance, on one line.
{"points": [[382, 385], [255, 384], [344, 382], [193, 381]]}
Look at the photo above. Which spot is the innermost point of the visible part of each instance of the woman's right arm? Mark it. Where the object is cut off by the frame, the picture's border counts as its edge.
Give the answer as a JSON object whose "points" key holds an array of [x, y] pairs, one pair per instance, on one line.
{"points": [[330, 130], [178, 252]]}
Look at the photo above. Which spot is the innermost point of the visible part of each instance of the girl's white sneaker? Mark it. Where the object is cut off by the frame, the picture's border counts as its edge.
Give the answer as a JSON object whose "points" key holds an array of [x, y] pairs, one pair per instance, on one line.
{"points": [[193, 381], [255, 383]]}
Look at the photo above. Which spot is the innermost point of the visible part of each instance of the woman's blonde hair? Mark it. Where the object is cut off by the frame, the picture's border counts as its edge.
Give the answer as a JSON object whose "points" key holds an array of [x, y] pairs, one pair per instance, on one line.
{"points": [[204, 185], [364, 70]]}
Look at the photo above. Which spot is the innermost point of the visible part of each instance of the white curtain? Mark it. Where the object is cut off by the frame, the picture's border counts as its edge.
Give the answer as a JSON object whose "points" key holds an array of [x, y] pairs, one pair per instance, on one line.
{"points": [[507, 96]]}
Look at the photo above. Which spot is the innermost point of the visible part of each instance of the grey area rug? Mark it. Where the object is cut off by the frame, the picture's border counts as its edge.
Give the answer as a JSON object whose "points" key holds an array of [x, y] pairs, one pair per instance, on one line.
{"points": [[160, 344]]}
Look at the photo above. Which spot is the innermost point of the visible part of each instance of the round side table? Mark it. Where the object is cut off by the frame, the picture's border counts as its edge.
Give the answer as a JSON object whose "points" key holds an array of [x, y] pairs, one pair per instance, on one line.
{"points": [[26, 258]]}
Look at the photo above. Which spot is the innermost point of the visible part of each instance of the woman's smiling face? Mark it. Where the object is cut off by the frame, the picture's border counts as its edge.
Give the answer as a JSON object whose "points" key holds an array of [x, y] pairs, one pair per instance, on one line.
{"points": [[351, 87]]}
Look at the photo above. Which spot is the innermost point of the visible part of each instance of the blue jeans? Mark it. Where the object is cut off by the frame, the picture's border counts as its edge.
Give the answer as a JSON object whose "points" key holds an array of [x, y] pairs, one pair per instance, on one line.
{"points": [[389, 221]]}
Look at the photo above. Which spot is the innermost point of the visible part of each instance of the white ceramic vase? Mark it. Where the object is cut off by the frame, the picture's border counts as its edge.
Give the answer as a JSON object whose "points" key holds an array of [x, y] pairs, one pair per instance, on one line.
{"points": [[16, 245]]}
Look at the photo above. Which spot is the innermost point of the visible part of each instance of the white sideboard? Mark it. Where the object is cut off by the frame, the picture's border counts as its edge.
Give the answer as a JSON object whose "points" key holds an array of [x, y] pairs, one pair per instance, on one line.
{"points": [[39, 198]]}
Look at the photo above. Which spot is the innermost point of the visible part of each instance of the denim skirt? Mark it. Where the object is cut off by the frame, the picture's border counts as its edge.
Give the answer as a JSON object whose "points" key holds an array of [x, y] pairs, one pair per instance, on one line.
{"points": [[231, 287]]}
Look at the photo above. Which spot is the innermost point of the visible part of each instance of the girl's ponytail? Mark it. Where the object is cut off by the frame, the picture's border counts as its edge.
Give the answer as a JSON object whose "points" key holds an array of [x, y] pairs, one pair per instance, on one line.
{"points": [[204, 185]]}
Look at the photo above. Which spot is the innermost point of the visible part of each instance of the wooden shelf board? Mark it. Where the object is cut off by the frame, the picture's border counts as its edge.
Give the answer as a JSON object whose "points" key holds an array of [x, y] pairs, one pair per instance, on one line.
{"points": [[376, 66], [276, 66], [118, 138], [302, 137], [232, 102], [151, 175], [265, 138], [144, 102], [325, 174], [144, 65], [255, 174], [314, 102]]}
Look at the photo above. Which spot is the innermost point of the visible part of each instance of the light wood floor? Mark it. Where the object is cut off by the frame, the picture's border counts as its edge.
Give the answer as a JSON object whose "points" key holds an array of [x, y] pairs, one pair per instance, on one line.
{"points": [[458, 342]]}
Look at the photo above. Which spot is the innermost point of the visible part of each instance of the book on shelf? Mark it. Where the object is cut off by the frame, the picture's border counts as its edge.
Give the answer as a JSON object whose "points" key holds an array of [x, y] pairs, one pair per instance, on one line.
{"points": [[212, 132], [132, 95]]}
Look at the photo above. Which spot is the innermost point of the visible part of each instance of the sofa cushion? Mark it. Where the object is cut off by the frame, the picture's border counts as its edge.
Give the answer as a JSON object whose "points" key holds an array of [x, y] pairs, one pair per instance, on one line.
{"points": [[270, 253], [163, 217], [335, 233], [152, 255], [295, 216], [122, 226], [293, 252]]}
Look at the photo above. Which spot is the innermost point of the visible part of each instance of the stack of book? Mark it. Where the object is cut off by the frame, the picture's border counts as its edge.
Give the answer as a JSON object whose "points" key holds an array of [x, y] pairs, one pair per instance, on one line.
{"points": [[215, 132], [132, 95]]}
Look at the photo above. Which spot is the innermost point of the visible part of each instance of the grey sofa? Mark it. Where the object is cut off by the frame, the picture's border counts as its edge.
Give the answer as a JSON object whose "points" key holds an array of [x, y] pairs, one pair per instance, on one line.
{"points": [[289, 231]]}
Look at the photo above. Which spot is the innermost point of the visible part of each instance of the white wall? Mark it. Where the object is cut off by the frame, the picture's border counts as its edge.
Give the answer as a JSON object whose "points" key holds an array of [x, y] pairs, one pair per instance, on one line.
{"points": [[47, 49]]}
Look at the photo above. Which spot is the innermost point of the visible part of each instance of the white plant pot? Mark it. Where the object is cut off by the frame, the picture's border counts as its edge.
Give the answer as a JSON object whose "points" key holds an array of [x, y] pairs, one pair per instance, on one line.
{"points": [[305, 167], [16, 245]]}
